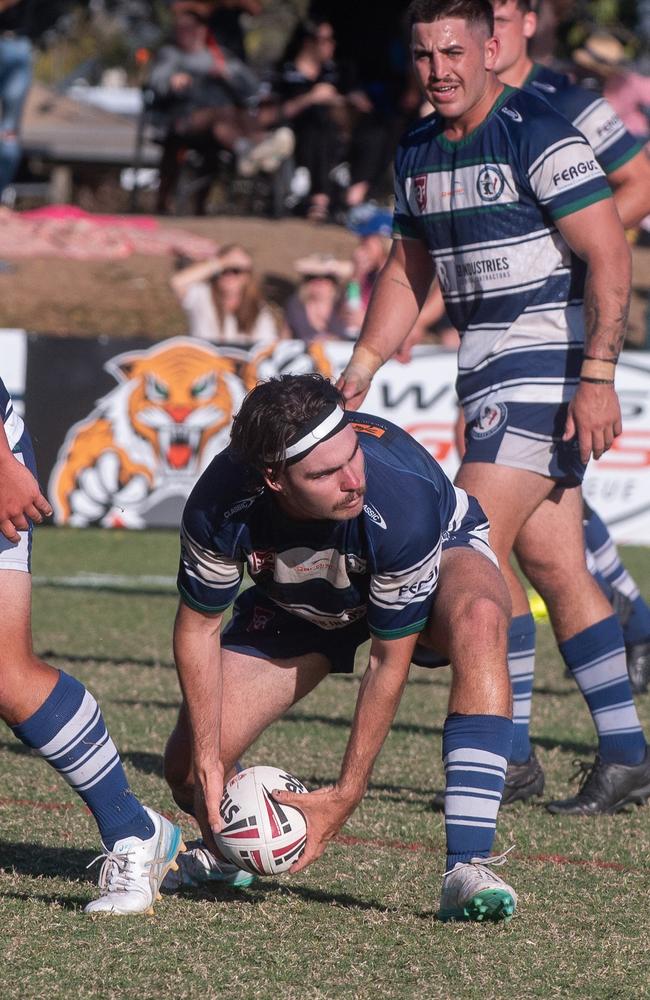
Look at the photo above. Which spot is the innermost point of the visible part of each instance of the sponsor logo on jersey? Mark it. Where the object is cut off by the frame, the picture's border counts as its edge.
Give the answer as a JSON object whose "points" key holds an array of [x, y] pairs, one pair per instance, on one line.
{"points": [[511, 113], [413, 589], [490, 182], [486, 267], [369, 429], [260, 619], [575, 171], [489, 420], [242, 505], [374, 515], [420, 186], [261, 560], [608, 127]]}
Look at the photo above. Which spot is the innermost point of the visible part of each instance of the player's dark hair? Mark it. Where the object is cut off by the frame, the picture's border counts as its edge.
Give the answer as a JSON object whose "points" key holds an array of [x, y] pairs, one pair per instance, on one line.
{"points": [[525, 6], [472, 11], [273, 412]]}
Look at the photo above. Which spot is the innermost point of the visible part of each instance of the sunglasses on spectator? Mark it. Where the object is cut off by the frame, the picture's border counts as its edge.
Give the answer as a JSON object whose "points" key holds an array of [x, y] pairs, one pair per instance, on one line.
{"points": [[320, 277], [234, 270]]}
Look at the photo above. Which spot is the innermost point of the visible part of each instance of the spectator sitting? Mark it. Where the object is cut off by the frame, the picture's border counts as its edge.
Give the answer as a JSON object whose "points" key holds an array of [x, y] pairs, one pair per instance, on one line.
{"points": [[211, 98], [316, 309], [311, 101], [222, 299]]}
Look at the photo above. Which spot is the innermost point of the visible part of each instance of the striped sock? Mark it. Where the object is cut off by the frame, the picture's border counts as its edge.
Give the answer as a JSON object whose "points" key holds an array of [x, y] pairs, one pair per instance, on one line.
{"points": [[521, 665], [596, 658], [475, 750], [636, 621], [68, 730]]}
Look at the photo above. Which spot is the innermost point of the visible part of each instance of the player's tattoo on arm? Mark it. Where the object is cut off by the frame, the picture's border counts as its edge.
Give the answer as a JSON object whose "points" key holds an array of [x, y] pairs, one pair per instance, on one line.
{"points": [[605, 327], [404, 284]]}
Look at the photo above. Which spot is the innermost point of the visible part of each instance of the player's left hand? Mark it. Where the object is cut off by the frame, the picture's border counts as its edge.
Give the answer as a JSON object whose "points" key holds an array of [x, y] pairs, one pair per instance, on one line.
{"points": [[594, 417], [325, 812]]}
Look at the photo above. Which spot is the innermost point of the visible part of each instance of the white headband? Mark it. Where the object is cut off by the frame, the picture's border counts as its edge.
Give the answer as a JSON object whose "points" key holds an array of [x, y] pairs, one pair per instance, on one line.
{"points": [[324, 429]]}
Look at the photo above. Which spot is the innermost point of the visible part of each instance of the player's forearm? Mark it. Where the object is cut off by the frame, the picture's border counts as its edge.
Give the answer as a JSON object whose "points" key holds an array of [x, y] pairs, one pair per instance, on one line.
{"points": [[606, 306], [198, 663], [203, 270], [379, 696], [393, 309]]}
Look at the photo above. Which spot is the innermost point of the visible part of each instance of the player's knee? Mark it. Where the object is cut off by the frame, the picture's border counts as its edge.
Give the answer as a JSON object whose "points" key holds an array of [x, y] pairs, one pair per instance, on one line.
{"points": [[481, 621]]}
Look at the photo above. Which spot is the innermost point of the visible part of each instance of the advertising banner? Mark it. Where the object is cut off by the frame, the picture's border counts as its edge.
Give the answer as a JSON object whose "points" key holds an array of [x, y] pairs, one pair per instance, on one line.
{"points": [[122, 429]]}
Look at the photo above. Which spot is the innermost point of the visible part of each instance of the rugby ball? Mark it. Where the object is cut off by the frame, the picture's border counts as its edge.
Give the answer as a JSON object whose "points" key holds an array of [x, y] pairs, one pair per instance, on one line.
{"points": [[259, 834]]}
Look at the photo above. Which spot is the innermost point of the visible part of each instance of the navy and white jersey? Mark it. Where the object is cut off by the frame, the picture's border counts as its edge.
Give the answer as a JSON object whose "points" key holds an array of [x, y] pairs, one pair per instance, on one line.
{"points": [[382, 565], [486, 208], [590, 113], [13, 424]]}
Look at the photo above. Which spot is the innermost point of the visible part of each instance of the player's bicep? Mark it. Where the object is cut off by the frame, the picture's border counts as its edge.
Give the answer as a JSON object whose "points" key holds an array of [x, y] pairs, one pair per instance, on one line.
{"points": [[595, 232]]}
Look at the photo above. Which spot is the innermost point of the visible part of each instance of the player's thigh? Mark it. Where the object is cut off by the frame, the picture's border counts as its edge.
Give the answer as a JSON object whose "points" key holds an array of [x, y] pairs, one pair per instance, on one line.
{"points": [[472, 604], [507, 495], [257, 692], [552, 539], [15, 631]]}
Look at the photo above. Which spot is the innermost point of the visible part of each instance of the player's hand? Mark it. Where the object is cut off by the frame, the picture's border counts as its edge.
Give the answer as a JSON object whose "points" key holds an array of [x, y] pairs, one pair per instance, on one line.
{"points": [[208, 792], [21, 499], [325, 812], [354, 383], [594, 417]]}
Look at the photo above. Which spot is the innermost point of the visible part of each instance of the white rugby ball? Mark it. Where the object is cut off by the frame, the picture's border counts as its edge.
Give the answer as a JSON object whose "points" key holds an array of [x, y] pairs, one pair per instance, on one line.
{"points": [[259, 834]]}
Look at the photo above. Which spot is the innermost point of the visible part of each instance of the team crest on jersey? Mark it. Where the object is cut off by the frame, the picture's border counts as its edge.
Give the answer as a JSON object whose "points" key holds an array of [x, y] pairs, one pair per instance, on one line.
{"points": [[491, 417], [490, 182], [443, 275], [420, 188]]}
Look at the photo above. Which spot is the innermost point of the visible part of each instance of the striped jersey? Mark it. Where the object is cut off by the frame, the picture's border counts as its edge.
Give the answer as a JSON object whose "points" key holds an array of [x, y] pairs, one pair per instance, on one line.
{"points": [[13, 424], [590, 113], [382, 565], [486, 208]]}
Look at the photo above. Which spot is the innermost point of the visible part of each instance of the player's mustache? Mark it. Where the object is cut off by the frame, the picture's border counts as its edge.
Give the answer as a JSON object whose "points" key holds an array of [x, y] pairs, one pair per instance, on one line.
{"points": [[350, 498]]}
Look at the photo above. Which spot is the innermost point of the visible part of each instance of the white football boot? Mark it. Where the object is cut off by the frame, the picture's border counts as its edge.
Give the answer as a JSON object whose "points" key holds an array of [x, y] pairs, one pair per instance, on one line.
{"points": [[134, 869], [472, 891], [198, 866]]}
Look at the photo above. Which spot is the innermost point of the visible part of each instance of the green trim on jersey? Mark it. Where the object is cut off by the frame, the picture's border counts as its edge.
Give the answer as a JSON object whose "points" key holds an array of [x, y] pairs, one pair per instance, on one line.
{"points": [[196, 606], [577, 206], [399, 633], [453, 144]]}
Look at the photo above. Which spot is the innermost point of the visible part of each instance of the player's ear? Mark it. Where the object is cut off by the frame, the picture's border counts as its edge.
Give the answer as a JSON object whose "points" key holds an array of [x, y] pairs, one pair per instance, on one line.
{"points": [[492, 47], [272, 480], [530, 24]]}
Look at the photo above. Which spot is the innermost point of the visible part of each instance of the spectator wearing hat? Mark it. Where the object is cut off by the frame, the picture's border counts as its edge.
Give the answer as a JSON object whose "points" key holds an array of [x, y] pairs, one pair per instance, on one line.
{"points": [[222, 299], [627, 91], [316, 310]]}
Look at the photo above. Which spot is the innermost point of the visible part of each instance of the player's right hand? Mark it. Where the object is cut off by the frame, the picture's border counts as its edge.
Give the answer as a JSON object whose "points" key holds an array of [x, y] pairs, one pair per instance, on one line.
{"points": [[354, 383], [21, 500]]}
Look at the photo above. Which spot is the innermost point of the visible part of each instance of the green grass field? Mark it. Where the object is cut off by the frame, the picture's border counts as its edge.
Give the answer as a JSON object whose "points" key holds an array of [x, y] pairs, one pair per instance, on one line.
{"points": [[360, 923]]}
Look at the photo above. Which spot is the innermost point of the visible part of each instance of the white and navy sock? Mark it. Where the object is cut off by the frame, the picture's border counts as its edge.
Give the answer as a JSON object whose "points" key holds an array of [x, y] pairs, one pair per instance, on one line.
{"points": [[521, 666], [475, 750], [596, 658], [613, 578], [68, 730]]}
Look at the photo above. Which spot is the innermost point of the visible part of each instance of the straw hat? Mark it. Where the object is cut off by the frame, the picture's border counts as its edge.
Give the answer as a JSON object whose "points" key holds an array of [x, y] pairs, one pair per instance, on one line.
{"points": [[601, 52], [322, 265]]}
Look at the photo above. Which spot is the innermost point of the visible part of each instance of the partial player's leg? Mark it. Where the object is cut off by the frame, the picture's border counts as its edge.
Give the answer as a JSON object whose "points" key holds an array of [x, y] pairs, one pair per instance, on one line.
{"points": [[591, 643], [470, 623], [623, 594], [256, 693], [509, 496], [53, 714]]}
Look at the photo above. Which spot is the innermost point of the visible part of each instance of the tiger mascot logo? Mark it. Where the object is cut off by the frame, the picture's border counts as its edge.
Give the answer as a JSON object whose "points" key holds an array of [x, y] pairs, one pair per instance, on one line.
{"points": [[133, 461]]}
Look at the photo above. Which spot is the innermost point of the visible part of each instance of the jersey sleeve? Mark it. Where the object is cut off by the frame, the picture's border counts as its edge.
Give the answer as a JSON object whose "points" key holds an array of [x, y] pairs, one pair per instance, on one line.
{"points": [[407, 564], [211, 567], [564, 174], [606, 133]]}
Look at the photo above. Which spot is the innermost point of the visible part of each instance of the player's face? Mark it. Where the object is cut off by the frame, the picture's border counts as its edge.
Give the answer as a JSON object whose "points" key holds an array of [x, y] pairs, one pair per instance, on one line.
{"points": [[328, 484], [453, 63], [513, 27]]}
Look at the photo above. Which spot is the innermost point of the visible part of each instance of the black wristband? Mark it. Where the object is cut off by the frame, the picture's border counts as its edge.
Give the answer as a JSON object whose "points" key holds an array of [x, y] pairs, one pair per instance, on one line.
{"points": [[597, 381]]}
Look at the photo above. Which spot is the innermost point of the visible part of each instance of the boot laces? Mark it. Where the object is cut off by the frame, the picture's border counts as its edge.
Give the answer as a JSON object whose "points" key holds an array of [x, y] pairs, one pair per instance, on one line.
{"points": [[496, 860], [116, 873]]}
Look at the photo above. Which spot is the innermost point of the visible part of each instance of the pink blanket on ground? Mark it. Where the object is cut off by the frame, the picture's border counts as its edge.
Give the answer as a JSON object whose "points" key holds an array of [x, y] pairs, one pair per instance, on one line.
{"points": [[67, 231]]}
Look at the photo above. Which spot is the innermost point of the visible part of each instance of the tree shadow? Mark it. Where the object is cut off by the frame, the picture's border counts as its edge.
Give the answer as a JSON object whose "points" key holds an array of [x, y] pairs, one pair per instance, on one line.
{"points": [[118, 661]]}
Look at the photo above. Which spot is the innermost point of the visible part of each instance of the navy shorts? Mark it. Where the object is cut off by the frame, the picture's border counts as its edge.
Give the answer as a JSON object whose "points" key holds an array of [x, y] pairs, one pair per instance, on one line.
{"points": [[19, 556], [525, 436], [263, 629]]}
